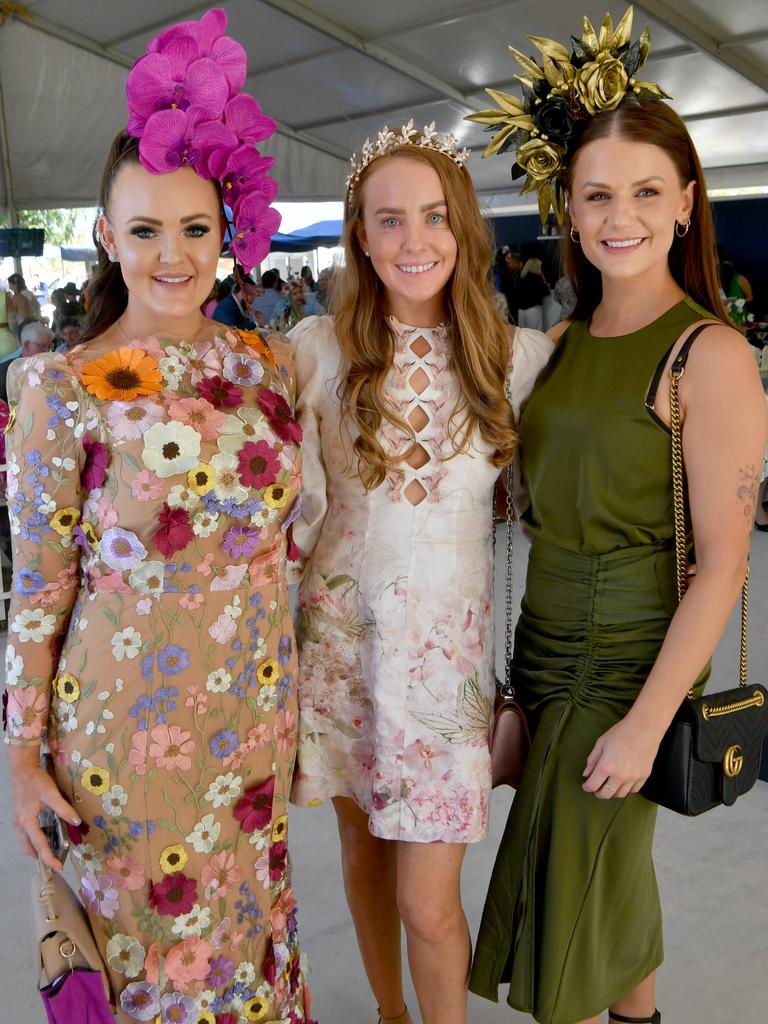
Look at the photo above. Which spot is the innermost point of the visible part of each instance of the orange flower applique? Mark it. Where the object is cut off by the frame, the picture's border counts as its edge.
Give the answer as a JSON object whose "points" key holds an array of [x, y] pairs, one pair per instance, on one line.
{"points": [[123, 375], [255, 341]]}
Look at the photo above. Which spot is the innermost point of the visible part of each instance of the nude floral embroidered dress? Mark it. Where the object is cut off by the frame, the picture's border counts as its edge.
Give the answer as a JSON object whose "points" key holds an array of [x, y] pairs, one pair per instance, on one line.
{"points": [[395, 625], [150, 493]]}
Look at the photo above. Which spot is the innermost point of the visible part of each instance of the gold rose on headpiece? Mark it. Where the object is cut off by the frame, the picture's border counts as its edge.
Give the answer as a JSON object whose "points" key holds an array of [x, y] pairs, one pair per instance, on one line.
{"points": [[559, 95]]}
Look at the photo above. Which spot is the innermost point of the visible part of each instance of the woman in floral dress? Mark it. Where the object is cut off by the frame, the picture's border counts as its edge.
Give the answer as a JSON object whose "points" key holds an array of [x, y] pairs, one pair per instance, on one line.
{"points": [[151, 487], [403, 399]]}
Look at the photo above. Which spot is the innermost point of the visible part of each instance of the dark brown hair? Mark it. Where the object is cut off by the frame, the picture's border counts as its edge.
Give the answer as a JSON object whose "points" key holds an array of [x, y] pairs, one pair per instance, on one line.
{"points": [[107, 294], [480, 340], [692, 258]]}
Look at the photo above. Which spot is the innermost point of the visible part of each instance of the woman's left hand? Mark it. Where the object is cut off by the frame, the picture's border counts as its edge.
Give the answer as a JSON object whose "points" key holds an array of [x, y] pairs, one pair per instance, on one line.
{"points": [[620, 761]]}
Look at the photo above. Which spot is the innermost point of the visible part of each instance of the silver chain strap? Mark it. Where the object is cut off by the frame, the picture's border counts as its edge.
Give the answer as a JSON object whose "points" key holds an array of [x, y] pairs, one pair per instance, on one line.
{"points": [[508, 614], [507, 689]]}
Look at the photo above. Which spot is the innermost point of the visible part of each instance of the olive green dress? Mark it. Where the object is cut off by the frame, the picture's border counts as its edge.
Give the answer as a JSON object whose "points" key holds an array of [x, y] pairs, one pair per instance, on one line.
{"points": [[572, 919]]}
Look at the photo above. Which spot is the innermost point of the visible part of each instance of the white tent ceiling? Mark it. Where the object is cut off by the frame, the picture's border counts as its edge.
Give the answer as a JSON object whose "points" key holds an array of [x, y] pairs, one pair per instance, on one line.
{"points": [[332, 72]]}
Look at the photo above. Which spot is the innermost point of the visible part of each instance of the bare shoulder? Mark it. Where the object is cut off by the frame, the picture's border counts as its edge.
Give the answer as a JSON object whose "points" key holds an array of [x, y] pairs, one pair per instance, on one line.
{"points": [[558, 330], [720, 356]]}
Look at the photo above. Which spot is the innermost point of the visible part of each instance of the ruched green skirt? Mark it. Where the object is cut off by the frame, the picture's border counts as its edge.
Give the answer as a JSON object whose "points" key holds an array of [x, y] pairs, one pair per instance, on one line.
{"points": [[572, 920]]}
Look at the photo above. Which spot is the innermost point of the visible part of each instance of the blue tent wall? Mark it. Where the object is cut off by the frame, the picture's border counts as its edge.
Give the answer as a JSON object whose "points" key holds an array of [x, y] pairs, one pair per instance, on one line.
{"points": [[741, 226]]}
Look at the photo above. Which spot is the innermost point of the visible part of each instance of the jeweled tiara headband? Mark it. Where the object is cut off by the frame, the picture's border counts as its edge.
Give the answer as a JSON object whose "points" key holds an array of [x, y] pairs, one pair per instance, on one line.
{"points": [[388, 140]]}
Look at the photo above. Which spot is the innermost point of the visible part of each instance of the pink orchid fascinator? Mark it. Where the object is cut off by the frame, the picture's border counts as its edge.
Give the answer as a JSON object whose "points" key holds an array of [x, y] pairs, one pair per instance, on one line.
{"points": [[186, 108]]}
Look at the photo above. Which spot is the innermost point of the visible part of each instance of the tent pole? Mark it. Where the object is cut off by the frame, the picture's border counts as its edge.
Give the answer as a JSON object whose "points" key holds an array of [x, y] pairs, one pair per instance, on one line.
{"points": [[13, 219]]}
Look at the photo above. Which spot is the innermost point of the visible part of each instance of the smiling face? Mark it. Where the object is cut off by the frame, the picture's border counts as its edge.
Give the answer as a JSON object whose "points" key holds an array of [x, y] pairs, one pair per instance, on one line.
{"points": [[625, 200], [406, 230], [166, 232]]}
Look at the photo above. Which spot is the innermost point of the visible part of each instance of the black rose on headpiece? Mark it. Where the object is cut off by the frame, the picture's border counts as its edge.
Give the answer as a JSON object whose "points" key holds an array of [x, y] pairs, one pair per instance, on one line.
{"points": [[555, 120]]}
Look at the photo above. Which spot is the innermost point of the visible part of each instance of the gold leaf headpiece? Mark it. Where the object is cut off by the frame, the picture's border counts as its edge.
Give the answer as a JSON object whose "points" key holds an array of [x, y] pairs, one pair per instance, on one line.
{"points": [[388, 140], [559, 96]]}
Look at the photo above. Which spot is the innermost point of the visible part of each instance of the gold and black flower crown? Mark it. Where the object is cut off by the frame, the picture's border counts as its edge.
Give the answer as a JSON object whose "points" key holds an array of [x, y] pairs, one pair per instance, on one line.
{"points": [[559, 96]]}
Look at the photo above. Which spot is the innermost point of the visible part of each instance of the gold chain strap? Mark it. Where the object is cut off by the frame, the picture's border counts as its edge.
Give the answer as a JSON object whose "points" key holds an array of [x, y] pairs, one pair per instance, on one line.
{"points": [[681, 557]]}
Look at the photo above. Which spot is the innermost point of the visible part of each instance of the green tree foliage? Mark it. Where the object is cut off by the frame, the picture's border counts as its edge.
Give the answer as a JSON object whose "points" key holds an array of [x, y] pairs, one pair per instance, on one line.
{"points": [[60, 226]]}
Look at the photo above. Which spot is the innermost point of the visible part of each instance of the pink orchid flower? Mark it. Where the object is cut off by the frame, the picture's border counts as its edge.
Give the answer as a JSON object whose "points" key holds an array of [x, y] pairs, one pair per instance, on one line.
{"points": [[168, 81], [255, 223], [239, 170], [208, 34], [178, 138], [244, 116]]}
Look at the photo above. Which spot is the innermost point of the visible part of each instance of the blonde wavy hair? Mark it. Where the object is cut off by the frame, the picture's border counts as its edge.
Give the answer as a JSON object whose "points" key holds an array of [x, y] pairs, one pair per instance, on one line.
{"points": [[480, 339]]}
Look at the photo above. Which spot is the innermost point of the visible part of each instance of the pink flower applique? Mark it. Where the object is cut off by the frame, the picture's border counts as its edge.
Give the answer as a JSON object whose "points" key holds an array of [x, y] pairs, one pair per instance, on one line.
{"points": [[197, 700], [187, 961], [125, 872], [171, 747], [145, 486], [137, 755], [191, 601], [220, 874], [285, 730], [230, 577], [204, 568], [223, 629], [26, 709], [199, 414]]}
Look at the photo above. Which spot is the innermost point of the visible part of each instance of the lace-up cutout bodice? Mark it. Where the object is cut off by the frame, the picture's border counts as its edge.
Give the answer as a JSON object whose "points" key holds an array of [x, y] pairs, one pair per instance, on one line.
{"points": [[423, 392]]}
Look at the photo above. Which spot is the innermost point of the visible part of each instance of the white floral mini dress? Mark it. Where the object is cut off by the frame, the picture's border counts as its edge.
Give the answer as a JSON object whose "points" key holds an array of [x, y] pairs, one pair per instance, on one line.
{"points": [[395, 621]]}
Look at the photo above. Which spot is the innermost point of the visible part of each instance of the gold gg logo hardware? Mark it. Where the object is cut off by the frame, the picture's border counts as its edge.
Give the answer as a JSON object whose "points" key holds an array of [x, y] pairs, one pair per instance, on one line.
{"points": [[733, 761]]}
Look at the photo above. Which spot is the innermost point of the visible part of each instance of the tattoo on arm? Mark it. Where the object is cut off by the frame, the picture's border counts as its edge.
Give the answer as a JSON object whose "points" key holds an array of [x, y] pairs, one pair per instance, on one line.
{"points": [[746, 492]]}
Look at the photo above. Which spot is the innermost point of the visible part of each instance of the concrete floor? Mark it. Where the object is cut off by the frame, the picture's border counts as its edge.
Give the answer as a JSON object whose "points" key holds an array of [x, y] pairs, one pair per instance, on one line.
{"points": [[713, 873]]}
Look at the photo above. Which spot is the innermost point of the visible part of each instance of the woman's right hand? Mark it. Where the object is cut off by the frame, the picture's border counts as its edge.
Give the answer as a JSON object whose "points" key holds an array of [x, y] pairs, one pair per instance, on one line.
{"points": [[33, 789]]}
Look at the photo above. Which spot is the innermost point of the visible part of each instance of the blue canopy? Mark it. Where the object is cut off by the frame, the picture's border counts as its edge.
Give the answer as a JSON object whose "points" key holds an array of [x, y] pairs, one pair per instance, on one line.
{"points": [[324, 233]]}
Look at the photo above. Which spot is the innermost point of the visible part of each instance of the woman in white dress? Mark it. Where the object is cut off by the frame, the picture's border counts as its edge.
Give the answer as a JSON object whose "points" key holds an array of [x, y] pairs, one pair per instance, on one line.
{"points": [[403, 403]]}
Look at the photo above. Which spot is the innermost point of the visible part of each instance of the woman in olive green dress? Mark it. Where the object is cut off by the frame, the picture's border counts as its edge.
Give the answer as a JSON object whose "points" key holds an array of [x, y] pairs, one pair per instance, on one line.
{"points": [[603, 657]]}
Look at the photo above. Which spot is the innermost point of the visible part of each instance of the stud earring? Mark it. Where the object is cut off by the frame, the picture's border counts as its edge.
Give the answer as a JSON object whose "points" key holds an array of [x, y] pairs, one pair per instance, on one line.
{"points": [[684, 232], [576, 238], [365, 251], [112, 257]]}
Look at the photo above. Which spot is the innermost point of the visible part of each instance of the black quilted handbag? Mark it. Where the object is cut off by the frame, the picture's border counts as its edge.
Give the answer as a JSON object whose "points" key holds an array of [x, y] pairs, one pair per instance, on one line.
{"points": [[710, 755]]}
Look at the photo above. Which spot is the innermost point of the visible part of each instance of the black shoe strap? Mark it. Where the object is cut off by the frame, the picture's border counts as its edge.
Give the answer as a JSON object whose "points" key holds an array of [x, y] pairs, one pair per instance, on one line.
{"points": [[655, 1019]]}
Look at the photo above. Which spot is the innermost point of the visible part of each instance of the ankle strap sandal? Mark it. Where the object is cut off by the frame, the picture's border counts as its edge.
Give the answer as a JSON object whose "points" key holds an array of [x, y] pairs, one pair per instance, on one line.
{"points": [[393, 1020], [655, 1019]]}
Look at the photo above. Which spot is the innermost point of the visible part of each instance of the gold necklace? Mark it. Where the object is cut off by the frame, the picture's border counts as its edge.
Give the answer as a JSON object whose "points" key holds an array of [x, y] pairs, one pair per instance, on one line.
{"points": [[128, 340]]}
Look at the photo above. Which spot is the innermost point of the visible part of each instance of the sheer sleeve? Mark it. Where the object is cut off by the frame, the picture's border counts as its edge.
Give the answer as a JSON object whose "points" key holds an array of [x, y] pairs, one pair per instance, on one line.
{"points": [[45, 458], [309, 345]]}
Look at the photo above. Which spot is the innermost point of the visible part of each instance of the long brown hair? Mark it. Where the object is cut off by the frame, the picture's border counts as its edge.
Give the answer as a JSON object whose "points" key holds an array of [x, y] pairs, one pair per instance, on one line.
{"points": [[692, 258], [107, 293], [480, 340]]}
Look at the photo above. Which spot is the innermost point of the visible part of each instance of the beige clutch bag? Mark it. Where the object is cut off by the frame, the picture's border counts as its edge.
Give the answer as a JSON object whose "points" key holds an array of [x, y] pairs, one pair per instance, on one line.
{"points": [[62, 931]]}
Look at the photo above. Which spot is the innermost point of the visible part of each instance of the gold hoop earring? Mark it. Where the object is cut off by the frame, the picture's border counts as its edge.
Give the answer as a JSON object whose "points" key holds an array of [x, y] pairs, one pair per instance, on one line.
{"points": [[577, 239], [682, 234]]}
